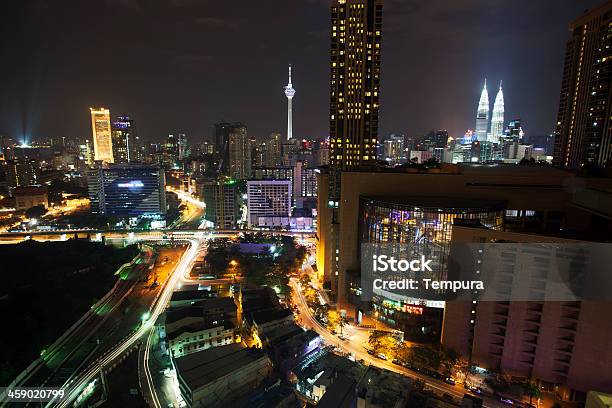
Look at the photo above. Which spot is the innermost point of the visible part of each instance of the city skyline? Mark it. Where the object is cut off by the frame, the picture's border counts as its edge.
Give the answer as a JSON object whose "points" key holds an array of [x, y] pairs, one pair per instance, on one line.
{"points": [[431, 251], [195, 76]]}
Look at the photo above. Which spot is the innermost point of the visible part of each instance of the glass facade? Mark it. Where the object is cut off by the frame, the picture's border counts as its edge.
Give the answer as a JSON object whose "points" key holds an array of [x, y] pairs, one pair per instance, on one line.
{"points": [[128, 190], [424, 226]]}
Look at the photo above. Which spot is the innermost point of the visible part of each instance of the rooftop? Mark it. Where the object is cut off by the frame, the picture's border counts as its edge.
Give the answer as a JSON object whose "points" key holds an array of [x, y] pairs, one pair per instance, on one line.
{"points": [[435, 203], [266, 316], [29, 190], [339, 393], [192, 295], [203, 367], [199, 326]]}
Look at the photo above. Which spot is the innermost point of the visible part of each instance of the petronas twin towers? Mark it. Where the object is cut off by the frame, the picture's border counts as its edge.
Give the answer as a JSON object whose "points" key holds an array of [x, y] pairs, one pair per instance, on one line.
{"points": [[482, 116]]}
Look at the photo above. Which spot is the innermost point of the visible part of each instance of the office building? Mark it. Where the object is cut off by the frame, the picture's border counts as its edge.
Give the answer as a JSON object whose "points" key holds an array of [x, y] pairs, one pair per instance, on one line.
{"points": [[268, 198], [514, 130], [308, 182], [239, 153], [221, 199], [125, 141], [584, 122], [221, 139], [272, 155], [182, 147], [393, 151], [482, 115], [497, 120], [21, 172], [102, 137], [128, 190], [289, 93]]}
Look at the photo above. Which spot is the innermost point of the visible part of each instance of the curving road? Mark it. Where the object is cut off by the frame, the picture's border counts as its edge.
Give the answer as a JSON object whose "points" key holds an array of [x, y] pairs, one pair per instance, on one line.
{"points": [[74, 388], [357, 348]]}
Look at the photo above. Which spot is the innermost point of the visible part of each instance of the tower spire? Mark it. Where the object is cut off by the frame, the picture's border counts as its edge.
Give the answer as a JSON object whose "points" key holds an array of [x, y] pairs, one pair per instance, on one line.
{"points": [[497, 121], [482, 114], [289, 93]]}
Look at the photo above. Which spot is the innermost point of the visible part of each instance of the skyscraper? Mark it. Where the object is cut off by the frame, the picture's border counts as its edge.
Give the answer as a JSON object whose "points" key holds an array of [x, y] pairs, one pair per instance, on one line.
{"points": [[289, 93], [182, 146], [239, 154], [355, 55], [584, 122], [101, 132], [221, 137], [273, 154], [354, 82], [127, 190], [497, 122], [482, 116], [125, 141]]}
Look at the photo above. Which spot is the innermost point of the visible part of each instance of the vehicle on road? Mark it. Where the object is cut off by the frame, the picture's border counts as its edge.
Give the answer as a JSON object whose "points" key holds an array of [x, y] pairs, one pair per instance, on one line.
{"points": [[473, 388], [450, 380], [396, 361], [371, 352], [381, 356]]}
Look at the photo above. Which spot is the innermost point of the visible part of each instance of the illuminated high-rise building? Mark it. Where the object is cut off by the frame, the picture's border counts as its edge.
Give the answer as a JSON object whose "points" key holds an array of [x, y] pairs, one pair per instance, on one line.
{"points": [[101, 131], [354, 84], [239, 154], [289, 93], [125, 141], [355, 56], [497, 121], [482, 116], [584, 122], [182, 146]]}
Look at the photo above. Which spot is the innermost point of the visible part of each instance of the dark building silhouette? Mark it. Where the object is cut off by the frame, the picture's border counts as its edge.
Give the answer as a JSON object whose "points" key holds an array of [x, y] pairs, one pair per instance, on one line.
{"points": [[584, 122]]}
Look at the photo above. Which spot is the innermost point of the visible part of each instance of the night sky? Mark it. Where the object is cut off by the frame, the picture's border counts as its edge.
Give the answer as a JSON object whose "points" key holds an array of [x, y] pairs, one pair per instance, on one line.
{"points": [[182, 65]]}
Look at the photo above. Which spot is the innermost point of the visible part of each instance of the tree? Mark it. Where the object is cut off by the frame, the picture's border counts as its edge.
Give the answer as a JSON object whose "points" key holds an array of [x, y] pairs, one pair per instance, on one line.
{"points": [[449, 358], [382, 342], [531, 389], [425, 357], [311, 295], [36, 212], [334, 320]]}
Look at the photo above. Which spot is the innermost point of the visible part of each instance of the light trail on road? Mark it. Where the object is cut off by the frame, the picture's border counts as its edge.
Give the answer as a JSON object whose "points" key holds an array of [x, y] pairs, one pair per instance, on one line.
{"points": [[359, 350], [73, 389]]}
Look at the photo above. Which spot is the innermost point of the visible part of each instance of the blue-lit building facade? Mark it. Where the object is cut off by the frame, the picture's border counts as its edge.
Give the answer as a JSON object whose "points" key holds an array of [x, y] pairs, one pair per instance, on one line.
{"points": [[128, 190], [423, 224]]}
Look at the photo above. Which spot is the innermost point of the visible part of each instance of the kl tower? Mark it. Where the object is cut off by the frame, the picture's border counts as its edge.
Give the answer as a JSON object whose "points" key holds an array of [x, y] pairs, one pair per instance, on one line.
{"points": [[289, 93]]}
